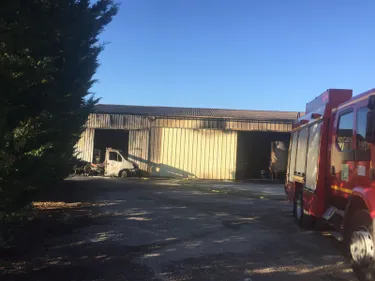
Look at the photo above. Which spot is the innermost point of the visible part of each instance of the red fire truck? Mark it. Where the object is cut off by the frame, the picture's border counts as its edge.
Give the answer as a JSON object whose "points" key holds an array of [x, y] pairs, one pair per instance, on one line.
{"points": [[331, 171]]}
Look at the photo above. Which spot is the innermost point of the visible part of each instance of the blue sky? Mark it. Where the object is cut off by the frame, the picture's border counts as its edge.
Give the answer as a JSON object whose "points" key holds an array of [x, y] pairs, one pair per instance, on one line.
{"points": [[240, 54]]}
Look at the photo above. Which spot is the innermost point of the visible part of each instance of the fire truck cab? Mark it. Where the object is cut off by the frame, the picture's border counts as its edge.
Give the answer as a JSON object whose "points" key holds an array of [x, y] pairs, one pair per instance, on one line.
{"points": [[331, 171]]}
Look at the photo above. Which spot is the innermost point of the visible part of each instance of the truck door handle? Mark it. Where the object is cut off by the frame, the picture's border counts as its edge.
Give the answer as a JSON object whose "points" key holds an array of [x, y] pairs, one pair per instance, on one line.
{"points": [[333, 170]]}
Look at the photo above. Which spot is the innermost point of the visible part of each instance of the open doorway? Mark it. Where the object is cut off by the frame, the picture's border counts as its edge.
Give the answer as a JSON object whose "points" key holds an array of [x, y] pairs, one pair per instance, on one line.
{"points": [[254, 153], [116, 139]]}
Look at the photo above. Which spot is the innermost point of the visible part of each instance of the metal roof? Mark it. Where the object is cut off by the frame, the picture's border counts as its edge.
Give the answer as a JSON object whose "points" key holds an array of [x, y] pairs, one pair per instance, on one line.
{"points": [[162, 111]]}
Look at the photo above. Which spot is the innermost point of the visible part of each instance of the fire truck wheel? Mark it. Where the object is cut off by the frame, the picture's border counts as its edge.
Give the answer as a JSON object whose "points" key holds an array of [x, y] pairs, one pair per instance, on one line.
{"points": [[302, 218], [360, 245]]}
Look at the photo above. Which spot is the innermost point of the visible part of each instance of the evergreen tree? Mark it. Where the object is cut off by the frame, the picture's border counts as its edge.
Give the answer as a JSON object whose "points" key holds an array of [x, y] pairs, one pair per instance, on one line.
{"points": [[48, 55]]}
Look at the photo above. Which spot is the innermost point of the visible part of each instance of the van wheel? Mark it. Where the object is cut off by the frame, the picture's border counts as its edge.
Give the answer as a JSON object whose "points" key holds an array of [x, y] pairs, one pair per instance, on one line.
{"points": [[123, 174], [302, 218], [360, 246]]}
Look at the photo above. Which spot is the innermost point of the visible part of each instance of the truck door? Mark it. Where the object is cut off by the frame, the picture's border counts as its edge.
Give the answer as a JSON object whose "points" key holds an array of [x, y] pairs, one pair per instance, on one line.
{"points": [[342, 154], [113, 163]]}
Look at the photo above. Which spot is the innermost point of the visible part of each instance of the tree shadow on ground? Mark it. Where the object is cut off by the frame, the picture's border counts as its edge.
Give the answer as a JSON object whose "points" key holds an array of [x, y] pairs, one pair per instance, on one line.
{"points": [[84, 231]]}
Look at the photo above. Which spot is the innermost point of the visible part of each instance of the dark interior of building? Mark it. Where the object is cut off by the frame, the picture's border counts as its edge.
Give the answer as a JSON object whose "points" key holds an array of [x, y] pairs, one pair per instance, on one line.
{"points": [[254, 153], [117, 139]]}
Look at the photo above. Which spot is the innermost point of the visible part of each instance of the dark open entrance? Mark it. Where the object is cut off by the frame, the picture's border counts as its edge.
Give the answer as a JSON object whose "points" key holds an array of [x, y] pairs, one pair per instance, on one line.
{"points": [[117, 139], [254, 153]]}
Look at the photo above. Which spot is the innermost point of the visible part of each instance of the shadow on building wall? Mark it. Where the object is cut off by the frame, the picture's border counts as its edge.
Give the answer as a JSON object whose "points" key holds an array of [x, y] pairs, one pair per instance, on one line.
{"points": [[161, 170]]}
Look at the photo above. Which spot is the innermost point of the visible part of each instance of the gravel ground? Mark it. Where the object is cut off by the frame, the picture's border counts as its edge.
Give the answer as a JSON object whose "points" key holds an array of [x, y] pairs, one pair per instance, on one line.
{"points": [[112, 229]]}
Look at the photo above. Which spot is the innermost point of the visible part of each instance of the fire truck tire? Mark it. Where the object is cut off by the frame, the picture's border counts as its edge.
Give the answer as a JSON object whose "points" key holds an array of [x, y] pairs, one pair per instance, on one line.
{"points": [[360, 246], [302, 218]]}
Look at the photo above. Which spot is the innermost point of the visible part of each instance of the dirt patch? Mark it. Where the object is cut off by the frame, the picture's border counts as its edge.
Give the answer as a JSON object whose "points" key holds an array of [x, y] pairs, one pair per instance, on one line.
{"points": [[42, 225], [56, 205], [48, 217]]}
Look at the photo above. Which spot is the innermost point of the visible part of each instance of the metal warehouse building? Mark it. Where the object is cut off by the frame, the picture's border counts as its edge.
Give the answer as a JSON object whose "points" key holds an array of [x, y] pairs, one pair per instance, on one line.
{"points": [[187, 142]]}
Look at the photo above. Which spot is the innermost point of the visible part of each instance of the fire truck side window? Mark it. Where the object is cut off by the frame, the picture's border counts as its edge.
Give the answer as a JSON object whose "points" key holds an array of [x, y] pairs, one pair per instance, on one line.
{"points": [[345, 131], [362, 144]]}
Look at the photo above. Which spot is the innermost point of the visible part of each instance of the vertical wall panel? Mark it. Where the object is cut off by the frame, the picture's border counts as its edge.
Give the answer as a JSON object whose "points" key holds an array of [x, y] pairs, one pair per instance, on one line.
{"points": [[85, 147], [205, 153], [156, 136], [138, 147]]}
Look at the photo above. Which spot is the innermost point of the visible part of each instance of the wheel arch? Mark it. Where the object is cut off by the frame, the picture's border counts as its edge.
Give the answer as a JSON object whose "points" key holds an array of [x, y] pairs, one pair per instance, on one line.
{"points": [[357, 202], [367, 195], [119, 173]]}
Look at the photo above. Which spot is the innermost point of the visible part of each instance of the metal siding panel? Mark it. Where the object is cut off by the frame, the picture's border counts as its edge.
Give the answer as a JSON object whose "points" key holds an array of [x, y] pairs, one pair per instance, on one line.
{"points": [[208, 162], [85, 146], [209, 154], [177, 148], [189, 154], [228, 151], [200, 157], [181, 151], [223, 149], [117, 121], [138, 148], [155, 145], [198, 153], [226, 158], [184, 144], [197, 124], [162, 150], [167, 146], [219, 154], [159, 142], [215, 158], [210, 138], [234, 155], [173, 148], [212, 154], [152, 146], [210, 158], [227, 154], [215, 149], [204, 154], [171, 145], [180, 148], [169, 135], [146, 135]]}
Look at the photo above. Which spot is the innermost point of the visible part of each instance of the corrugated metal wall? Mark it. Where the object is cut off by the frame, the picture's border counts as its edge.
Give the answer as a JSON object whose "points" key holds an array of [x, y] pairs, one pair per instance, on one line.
{"points": [[138, 147], [277, 126], [202, 148], [156, 144], [134, 122], [118, 121], [208, 154], [85, 146]]}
